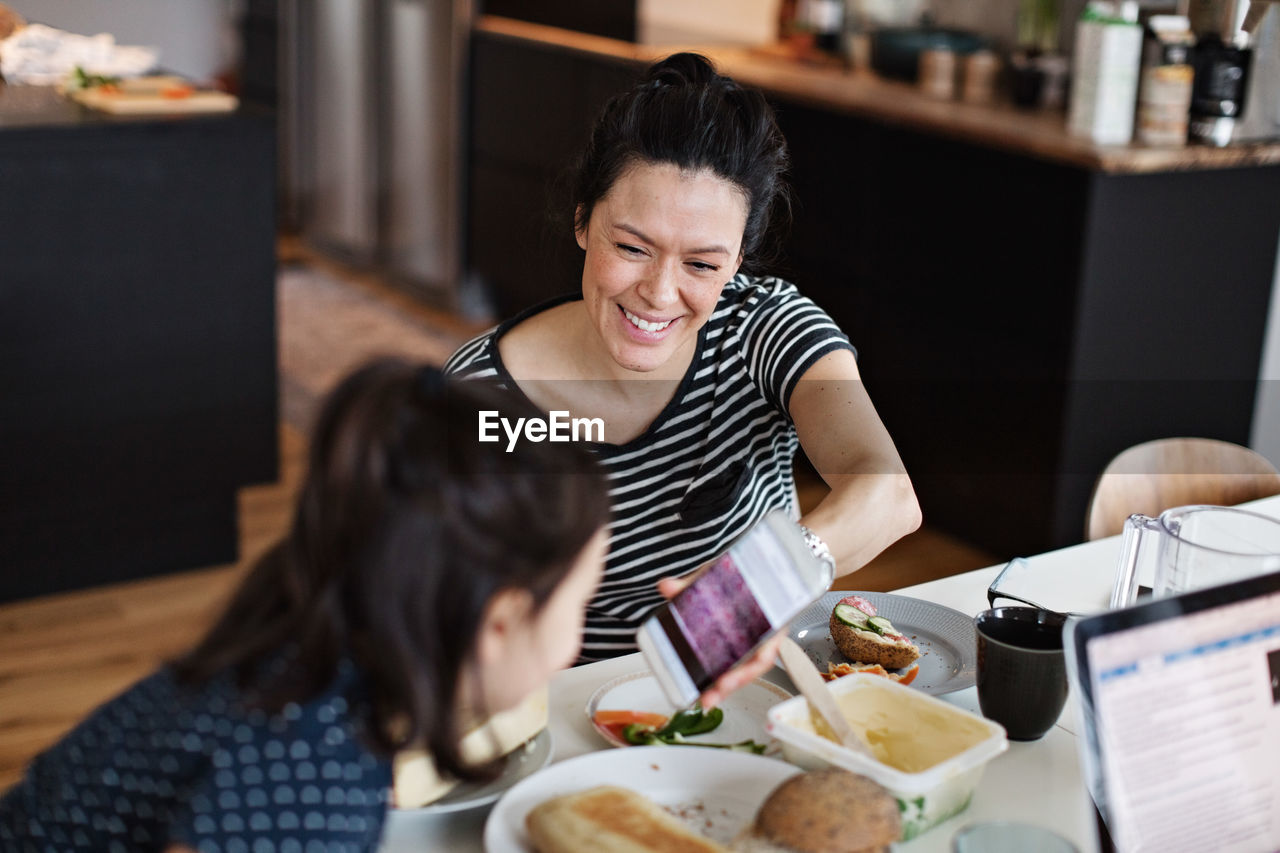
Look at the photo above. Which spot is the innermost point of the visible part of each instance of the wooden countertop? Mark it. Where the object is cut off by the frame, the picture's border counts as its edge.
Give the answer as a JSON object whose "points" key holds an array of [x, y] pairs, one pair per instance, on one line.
{"points": [[43, 107], [1039, 134]]}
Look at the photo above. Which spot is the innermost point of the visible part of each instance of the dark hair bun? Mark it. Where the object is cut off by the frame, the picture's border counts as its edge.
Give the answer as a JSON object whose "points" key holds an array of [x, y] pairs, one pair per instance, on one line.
{"points": [[682, 69]]}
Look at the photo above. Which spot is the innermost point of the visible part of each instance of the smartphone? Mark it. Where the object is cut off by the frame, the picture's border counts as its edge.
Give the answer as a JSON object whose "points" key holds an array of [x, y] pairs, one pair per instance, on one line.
{"points": [[749, 593]]}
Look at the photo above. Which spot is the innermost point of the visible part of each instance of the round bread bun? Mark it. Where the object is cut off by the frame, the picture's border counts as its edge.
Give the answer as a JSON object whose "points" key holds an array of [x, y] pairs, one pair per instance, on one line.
{"points": [[829, 811], [865, 647]]}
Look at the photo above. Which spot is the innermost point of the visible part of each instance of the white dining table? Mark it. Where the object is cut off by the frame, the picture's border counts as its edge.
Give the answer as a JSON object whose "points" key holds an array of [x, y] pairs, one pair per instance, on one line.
{"points": [[1035, 782]]}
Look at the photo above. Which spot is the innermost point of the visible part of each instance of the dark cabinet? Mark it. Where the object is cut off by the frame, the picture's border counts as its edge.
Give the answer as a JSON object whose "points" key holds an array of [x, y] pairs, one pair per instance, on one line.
{"points": [[137, 328], [531, 109], [1021, 321]]}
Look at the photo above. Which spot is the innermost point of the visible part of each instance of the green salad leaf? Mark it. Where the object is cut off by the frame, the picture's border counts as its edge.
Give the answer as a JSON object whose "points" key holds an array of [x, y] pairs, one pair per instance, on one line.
{"points": [[681, 726], [81, 79]]}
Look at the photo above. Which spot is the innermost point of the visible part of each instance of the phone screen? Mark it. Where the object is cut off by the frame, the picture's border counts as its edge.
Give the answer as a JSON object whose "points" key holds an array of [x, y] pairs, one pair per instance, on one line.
{"points": [[733, 605]]}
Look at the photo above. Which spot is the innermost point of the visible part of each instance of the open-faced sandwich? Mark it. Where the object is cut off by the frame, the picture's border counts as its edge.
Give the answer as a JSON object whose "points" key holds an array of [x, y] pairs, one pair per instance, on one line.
{"points": [[869, 639]]}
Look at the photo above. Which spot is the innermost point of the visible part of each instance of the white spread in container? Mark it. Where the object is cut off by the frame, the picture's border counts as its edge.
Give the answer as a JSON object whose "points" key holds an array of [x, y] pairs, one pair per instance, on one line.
{"points": [[906, 735]]}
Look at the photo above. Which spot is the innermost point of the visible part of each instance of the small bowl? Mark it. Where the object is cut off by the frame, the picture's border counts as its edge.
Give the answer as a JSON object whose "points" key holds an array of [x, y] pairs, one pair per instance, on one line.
{"points": [[934, 787]]}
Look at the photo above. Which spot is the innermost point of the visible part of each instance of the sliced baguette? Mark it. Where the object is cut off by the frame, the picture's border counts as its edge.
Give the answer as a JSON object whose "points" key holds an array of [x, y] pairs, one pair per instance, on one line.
{"points": [[609, 819]]}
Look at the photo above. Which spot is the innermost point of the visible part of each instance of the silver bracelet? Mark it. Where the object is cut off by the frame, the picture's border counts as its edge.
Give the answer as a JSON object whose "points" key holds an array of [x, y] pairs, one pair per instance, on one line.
{"points": [[818, 547]]}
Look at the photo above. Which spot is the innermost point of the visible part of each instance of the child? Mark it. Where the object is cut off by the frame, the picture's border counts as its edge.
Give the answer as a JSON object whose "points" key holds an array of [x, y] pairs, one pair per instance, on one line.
{"points": [[425, 571]]}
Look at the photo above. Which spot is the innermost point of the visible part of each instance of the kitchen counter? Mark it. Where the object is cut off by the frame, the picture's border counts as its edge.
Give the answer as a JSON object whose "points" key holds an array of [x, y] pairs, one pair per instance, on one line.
{"points": [[992, 270], [1036, 133], [36, 107]]}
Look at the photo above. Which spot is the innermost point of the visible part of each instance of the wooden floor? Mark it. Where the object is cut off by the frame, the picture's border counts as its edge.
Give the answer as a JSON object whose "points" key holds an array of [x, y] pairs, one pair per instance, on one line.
{"points": [[62, 655]]}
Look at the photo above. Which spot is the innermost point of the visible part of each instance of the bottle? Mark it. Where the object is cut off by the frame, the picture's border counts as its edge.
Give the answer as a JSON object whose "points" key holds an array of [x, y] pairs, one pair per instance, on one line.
{"points": [[1219, 88], [1107, 54], [1164, 93], [826, 22]]}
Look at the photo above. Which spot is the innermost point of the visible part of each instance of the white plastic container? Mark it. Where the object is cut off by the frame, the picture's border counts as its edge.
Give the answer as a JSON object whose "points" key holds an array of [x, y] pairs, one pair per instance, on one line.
{"points": [[926, 797], [1108, 54]]}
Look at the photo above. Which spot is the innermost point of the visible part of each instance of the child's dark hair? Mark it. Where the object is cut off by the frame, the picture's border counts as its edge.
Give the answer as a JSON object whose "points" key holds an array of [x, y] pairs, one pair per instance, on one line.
{"points": [[683, 112], [406, 527]]}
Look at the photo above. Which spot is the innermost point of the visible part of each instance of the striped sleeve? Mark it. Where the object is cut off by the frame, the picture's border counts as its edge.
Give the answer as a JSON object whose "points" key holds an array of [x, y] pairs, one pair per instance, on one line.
{"points": [[472, 360], [782, 334]]}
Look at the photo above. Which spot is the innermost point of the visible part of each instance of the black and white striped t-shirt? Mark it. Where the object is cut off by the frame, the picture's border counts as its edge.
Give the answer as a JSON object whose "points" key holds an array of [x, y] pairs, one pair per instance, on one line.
{"points": [[714, 460]]}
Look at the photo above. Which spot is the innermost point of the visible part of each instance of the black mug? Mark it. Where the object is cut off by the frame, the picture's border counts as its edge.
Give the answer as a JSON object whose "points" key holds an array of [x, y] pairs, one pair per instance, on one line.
{"points": [[1022, 678]]}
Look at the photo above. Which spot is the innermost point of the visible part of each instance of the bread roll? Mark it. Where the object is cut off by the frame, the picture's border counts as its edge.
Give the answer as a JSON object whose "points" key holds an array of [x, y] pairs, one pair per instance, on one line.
{"points": [[607, 819], [829, 811], [891, 649], [417, 783]]}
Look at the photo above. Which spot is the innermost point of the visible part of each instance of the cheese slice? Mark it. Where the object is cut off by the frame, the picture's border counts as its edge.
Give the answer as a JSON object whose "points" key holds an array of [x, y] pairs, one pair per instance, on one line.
{"points": [[415, 777]]}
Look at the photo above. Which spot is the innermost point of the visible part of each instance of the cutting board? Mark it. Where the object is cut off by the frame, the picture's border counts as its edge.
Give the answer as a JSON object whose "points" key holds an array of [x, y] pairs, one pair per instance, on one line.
{"points": [[154, 96]]}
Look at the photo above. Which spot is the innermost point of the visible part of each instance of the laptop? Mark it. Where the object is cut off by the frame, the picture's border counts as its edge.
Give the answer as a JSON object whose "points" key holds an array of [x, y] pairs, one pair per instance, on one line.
{"points": [[1179, 701]]}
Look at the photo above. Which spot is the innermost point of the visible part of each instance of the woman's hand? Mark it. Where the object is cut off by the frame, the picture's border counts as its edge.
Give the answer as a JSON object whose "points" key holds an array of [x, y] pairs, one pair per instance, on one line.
{"points": [[760, 662]]}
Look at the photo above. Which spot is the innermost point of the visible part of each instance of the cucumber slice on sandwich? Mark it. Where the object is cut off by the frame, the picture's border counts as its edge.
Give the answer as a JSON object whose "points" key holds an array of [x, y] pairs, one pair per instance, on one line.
{"points": [[880, 625], [852, 616]]}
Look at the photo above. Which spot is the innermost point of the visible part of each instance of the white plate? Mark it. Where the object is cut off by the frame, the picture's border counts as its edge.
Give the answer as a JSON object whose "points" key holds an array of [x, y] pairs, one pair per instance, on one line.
{"points": [[520, 763], [948, 644], [745, 710], [705, 786]]}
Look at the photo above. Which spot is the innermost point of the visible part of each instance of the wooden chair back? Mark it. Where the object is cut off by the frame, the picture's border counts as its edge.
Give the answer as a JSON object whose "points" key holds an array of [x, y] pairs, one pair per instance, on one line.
{"points": [[1156, 475]]}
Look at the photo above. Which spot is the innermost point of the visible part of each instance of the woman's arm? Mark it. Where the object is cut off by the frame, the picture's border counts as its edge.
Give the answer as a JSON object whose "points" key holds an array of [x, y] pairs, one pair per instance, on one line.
{"points": [[872, 503]]}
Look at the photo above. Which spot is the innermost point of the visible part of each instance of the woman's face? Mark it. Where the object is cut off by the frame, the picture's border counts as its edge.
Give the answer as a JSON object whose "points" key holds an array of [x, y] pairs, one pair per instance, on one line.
{"points": [[661, 244], [537, 644]]}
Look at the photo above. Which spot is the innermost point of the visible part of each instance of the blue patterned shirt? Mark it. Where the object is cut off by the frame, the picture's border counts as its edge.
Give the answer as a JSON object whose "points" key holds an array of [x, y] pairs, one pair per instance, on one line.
{"points": [[166, 764]]}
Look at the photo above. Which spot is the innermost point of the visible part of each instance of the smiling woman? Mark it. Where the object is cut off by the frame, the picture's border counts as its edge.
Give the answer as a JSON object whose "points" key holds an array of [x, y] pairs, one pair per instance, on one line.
{"points": [[708, 380]]}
